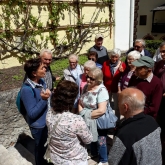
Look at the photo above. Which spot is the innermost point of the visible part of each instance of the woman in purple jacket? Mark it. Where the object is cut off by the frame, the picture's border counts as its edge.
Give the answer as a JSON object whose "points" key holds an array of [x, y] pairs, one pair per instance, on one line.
{"points": [[129, 71], [34, 101]]}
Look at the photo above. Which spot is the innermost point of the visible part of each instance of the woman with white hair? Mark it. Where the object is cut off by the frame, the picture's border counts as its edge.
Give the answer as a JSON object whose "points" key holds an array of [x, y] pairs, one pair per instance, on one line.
{"points": [[74, 73], [127, 74], [112, 74], [88, 65]]}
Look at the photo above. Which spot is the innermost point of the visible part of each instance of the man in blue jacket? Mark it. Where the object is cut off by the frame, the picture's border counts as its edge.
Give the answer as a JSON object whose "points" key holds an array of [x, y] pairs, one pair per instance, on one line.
{"points": [[139, 45]]}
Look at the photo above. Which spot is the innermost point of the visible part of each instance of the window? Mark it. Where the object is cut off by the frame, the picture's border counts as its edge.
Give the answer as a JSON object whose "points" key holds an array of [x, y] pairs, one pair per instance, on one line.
{"points": [[143, 20]]}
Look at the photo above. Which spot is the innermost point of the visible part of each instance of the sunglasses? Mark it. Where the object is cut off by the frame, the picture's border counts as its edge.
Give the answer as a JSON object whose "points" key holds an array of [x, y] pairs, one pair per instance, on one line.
{"points": [[91, 59], [91, 78], [137, 47]]}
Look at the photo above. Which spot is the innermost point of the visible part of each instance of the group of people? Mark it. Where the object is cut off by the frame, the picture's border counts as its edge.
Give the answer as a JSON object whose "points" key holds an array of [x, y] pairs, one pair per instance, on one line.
{"points": [[66, 117]]}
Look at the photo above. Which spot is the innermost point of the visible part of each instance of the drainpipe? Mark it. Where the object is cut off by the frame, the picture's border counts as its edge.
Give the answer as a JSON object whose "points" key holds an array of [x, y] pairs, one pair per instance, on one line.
{"points": [[131, 25]]}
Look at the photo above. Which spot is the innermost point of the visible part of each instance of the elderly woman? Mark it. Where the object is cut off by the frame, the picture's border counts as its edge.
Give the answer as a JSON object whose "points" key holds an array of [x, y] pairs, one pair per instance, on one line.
{"points": [[94, 57], [34, 98], [65, 129], [127, 74], [88, 65], [74, 73], [111, 75], [92, 105]]}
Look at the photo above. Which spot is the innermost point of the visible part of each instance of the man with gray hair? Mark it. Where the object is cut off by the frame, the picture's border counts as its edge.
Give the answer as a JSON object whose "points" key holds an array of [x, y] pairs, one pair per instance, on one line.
{"points": [[46, 58], [137, 140], [139, 45]]}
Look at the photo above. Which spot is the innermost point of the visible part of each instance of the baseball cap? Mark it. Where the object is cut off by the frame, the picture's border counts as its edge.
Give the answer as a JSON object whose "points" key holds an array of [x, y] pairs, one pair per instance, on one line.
{"points": [[144, 61], [99, 36]]}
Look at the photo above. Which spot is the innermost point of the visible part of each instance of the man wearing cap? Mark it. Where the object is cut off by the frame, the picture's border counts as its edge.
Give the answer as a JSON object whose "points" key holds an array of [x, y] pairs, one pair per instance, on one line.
{"points": [[149, 84], [101, 50]]}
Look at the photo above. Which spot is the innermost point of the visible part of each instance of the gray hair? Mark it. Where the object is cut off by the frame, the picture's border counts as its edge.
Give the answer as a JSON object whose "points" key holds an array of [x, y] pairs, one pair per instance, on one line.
{"points": [[134, 54], [73, 56], [141, 41], [90, 64], [162, 44], [133, 102], [98, 74], [114, 52], [45, 51]]}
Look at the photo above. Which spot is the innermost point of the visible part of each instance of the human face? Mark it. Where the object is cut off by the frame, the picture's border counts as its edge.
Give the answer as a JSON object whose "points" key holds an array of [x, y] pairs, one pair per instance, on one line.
{"points": [[86, 70], [130, 60], [138, 46], [142, 72], [92, 57], [41, 71], [91, 80], [46, 58], [114, 58], [99, 42], [162, 52], [72, 63]]}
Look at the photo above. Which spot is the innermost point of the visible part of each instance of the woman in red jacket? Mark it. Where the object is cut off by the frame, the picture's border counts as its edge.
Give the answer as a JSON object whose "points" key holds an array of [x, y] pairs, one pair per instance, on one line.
{"points": [[112, 70]]}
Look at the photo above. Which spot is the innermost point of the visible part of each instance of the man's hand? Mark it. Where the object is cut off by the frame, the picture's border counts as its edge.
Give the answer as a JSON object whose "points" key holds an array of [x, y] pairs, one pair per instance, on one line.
{"points": [[45, 94]]}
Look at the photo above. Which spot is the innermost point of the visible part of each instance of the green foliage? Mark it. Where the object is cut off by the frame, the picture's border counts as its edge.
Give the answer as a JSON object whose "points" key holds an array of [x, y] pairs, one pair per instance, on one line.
{"points": [[153, 45], [17, 77], [23, 30]]}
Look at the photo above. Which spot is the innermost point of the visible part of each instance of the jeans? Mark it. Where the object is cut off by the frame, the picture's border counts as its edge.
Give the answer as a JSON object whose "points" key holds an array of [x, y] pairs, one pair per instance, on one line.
{"points": [[40, 138], [100, 147]]}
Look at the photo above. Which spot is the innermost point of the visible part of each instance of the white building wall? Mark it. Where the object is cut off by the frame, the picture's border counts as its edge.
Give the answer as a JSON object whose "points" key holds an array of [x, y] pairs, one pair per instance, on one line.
{"points": [[145, 8], [122, 24]]}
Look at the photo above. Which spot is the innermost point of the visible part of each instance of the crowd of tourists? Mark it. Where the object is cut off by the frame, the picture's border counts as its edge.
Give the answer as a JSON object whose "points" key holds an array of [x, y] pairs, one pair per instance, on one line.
{"points": [[67, 121]]}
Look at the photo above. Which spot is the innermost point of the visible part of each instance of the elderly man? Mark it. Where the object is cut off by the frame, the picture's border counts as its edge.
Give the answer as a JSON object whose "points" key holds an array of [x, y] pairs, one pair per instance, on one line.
{"points": [[101, 50], [139, 46], [46, 58], [74, 73], [137, 141], [149, 84]]}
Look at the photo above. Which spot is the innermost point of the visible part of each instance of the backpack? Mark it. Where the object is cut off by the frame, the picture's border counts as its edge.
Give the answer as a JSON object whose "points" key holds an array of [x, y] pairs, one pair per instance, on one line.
{"points": [[19, 102]]}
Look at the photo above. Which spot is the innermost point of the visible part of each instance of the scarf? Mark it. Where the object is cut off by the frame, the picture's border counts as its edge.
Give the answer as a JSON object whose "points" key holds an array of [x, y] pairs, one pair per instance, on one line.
{"points": [[112, 65]]}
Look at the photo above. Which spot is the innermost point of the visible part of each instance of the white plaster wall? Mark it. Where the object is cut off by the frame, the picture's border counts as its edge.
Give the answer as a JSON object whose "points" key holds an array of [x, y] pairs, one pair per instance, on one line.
{"points": [[122, 24], [145, 8]]}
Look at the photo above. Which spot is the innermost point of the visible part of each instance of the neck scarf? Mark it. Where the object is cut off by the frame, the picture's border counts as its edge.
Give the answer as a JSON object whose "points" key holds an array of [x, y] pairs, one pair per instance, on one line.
{"points": [[112, 65]]}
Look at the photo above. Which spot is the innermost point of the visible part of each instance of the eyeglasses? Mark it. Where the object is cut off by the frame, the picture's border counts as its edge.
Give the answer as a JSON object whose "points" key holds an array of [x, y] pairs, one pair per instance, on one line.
{"points": [[91, 78], [138, 47], [91, 59]]}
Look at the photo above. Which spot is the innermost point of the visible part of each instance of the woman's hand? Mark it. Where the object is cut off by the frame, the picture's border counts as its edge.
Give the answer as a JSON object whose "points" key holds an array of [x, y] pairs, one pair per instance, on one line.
{"points": [[45, 94], [80, 107]]}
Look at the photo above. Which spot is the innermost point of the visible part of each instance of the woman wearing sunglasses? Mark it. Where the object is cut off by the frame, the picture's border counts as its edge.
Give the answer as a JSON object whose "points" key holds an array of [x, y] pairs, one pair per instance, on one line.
{"points": [[92, 105]]}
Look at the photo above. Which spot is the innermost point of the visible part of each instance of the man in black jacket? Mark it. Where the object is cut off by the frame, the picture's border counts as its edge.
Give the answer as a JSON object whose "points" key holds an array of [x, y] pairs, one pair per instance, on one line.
{"points": [[137, 140]]}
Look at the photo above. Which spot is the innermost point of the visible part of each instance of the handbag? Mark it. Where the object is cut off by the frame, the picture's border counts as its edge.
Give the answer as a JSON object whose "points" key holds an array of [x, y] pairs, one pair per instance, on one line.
{"points": [[108, 119]]}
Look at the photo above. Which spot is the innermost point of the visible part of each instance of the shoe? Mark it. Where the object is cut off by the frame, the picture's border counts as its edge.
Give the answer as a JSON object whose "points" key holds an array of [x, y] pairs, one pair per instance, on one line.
{"points": [[103, 163]]}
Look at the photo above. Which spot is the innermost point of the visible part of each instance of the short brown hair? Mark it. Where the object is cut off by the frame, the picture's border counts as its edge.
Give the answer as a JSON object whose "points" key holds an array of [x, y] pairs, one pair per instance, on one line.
{"points": [[64, 96]]}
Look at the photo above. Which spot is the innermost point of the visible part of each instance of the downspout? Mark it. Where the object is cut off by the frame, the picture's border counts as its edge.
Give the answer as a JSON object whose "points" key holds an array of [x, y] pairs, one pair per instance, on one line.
{"points": [[131, 25]]}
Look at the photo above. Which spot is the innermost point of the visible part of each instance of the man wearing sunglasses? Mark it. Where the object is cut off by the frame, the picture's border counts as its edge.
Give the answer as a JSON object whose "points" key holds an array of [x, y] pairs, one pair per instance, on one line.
{"points": [[139, 45]]}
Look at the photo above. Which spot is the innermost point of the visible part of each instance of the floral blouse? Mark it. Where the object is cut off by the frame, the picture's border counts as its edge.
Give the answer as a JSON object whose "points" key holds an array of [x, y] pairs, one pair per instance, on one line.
{"points": [[64, 145], [90, 99]]}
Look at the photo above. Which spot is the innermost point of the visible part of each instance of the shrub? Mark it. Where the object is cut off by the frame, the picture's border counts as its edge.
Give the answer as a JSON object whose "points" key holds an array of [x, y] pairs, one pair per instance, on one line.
{"points": [[153, 45]]}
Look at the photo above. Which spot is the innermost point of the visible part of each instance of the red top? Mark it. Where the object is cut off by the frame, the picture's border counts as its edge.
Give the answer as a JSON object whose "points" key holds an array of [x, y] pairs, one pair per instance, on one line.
{"points": [[111, 81]]}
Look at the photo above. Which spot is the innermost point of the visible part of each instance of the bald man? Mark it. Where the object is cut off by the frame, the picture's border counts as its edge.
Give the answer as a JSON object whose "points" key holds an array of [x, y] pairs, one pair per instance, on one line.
{"points": [[137, 140]]}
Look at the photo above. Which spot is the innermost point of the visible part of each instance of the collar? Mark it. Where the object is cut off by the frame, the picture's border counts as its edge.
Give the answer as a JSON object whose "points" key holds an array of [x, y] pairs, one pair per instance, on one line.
{"points": [[34, 84], [149, 78], [142, 53], [98, 48]]}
